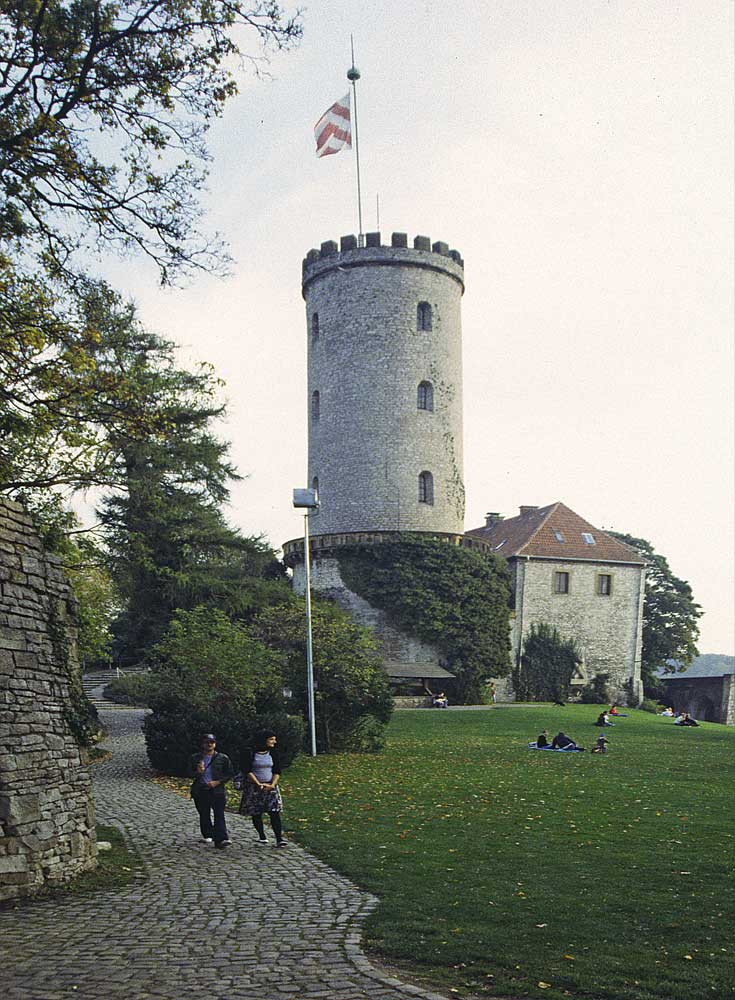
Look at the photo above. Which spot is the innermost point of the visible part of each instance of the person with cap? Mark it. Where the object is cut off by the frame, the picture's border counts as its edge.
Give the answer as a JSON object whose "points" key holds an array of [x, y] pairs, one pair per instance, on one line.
{"points": [[211, 771]]}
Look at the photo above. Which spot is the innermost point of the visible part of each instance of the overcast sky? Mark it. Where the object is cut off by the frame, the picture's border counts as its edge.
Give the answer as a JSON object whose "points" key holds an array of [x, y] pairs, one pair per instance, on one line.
{"points": [[579, 155]]}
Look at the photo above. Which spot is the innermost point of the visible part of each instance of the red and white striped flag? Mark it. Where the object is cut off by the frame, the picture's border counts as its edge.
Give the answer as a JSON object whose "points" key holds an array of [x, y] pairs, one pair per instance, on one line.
{"points": [[334, 129]]}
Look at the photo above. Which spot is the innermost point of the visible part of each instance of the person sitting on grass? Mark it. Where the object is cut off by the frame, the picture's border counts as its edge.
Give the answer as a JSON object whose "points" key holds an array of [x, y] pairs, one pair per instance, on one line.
{"points": [[600, 744], [669, 712], [563, 742], [614, 711], [602, 720], [439, 700], [541, 742], [686, 720]]}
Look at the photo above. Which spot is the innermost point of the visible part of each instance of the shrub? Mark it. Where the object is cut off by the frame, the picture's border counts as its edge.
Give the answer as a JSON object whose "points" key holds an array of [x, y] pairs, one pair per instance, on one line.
{"points": [[595, 693], [352, 698], [649, 705], [547, 665], [212, 676], [173, 730], [133, 689]]}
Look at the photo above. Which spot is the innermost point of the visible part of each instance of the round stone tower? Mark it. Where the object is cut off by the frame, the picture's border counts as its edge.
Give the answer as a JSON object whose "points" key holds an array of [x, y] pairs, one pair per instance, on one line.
{"points": [[385, 385], [384, 412]]}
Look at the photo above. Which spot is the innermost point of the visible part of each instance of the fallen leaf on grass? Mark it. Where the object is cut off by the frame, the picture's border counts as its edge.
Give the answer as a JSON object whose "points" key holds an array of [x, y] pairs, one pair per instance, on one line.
{"points": [[545, 986]]}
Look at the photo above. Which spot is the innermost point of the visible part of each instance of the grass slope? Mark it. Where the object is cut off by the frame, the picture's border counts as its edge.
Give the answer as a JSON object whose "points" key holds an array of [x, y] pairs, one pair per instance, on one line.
{"points": [[508, 872]]}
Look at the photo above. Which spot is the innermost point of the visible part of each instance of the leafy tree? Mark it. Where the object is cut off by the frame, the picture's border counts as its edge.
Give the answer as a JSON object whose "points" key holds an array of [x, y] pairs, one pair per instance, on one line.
{"points": [[150, 76], [448, 596], [352, 696], [211, 675], [670, 616], [98, 603], [547, 665]]}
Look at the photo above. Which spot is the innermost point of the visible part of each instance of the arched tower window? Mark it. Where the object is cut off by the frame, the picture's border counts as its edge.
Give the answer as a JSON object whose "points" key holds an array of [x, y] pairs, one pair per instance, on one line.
{"points": [[314, 328], [423, 316], [426, 488], [315, 485], [425, 396], [315, 405]]}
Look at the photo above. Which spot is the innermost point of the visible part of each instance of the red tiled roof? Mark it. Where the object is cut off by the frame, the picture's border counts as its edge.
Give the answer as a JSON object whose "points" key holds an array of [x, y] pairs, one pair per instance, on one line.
{"points": [[533, 533]]}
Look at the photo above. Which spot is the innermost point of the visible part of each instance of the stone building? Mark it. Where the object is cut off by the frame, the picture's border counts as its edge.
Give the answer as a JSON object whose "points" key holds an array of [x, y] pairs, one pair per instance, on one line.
{"points": [[384, 410], [705, 689], [47, 829], [571, 575]]}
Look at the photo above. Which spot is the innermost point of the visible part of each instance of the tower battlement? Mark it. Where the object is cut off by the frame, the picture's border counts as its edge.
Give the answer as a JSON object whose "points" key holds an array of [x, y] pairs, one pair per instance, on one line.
{"points": [[435, 256]]}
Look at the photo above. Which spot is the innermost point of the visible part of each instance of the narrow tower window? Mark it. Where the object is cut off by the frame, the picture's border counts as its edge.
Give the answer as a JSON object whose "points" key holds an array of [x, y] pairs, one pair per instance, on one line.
{"points": [[423, 316], [425, 396], [315, 405], [315, 328], [426, 488], [315, 485]]}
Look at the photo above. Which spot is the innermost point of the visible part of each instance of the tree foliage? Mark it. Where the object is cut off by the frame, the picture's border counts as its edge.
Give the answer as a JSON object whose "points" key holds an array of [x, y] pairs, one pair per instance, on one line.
{"points": [[451, 597], [150, 77], [547, 665], [168, 542], [670, 615], [211, 675], [352, 697]]}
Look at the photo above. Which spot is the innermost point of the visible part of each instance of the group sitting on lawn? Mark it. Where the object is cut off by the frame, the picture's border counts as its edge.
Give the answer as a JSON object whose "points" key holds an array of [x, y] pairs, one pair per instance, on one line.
{"points": [[685, 719], [560, 742]]}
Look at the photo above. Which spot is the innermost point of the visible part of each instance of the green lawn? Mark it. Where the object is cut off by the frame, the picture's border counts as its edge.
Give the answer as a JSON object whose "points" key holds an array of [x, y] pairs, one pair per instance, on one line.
{"points": [[508, 872]]}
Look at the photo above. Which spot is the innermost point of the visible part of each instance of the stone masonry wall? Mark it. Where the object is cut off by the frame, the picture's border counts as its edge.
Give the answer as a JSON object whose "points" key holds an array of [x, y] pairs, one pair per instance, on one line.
{"points": [[47, 829], [607, 629]]}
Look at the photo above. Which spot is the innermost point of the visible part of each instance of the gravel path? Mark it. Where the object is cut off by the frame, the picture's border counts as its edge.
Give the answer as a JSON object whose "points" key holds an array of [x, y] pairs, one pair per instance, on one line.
{"points": [[246, 922]]}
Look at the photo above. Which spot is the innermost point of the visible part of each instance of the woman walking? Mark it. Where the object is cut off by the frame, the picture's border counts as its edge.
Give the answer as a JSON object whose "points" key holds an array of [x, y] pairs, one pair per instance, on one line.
{"points": [[262, 769]]}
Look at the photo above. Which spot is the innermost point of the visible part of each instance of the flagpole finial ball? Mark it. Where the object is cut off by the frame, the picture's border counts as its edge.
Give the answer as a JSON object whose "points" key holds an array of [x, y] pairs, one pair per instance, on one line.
{"points": [[353, 73]]}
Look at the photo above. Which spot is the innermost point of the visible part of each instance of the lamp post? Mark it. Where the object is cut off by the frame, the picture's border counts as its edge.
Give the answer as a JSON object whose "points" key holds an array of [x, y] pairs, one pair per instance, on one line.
{"points": [[308, 500]]}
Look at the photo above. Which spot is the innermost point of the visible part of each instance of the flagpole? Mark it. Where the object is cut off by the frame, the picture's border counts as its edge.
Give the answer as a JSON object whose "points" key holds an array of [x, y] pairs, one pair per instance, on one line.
{"points": [[353, 75]]}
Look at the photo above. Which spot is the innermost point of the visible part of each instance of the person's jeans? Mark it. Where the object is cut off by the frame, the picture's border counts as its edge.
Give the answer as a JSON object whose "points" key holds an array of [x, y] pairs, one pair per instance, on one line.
{"points": [[211, 801]]}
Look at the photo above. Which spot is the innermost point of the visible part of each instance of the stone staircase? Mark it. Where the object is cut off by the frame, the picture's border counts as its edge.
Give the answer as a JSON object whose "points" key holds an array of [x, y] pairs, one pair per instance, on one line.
{"points": [[94, 682]]}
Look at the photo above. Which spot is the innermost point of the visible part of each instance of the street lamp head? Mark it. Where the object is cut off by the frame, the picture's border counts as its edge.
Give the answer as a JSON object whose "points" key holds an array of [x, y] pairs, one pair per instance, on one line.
{"points": [[306, 498]]}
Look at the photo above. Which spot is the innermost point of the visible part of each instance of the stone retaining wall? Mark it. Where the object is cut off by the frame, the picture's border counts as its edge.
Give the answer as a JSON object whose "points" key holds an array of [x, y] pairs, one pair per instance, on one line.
{"points": [[47, 828]]}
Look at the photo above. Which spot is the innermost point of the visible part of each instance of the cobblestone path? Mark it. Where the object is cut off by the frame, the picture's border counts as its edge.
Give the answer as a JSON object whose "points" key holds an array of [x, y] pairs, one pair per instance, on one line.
{"points": [[202, 924]]}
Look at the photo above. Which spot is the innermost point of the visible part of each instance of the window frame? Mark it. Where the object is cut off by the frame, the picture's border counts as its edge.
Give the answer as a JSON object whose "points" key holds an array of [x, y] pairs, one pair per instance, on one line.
{"points": [[555, 579], [424, 317], [599, 577], [425, 393], [426, 488], [316, 406]]}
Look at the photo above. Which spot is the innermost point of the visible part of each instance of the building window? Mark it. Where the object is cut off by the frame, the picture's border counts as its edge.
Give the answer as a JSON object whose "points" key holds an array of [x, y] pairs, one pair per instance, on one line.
{"points": [[315, 485], [426, 488], [425, 396], [587, 538], [314, 328], [558, 536], [604, 584], [315, 405], [423, 316], [561, 583]]}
